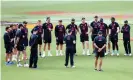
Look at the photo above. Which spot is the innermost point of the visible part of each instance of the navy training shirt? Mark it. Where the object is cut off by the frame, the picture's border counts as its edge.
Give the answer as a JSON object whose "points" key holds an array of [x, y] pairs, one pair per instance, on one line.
{"points": [[7, 40], [126, 31], [69, 41], [73, 28], [33, 41]]}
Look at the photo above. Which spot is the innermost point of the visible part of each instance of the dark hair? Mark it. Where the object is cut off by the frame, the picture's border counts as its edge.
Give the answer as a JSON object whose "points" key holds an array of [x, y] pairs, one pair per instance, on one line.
{"points": [[6, 28], [25, 22], [20, 25], [39, 20], [11, 25]]}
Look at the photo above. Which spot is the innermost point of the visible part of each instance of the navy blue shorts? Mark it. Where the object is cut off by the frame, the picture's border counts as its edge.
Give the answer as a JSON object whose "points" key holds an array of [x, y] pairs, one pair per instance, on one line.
{"points": [[59, 41], [8, 49], [20, 47], [84, 38], [26, 42], [39, 40], [93, 37]]}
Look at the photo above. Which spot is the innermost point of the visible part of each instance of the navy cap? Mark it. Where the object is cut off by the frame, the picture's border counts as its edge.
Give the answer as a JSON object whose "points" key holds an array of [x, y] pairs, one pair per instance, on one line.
{"points": [[101, 20], [96, 17], [25, 22], [100, 32], [125, 21]]}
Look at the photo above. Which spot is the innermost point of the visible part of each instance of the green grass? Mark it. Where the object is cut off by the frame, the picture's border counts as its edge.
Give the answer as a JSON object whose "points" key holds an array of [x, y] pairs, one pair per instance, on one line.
{"points": [[52, 68]]}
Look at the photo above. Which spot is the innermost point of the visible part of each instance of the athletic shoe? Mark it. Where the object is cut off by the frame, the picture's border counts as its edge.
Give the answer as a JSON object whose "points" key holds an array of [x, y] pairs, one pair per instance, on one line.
{"points": [[61, 54], [112, 54], [88, 53], [43, 55], [106, 53], [125, 54], [57, 54], [49, 54], [66, 66], [11, 62], [100, 70], [117, 54], [95, 69], [26, 65], [130, 54], [73, 66], [7, 63], [14, 59], [83, 53], [19, 65]]}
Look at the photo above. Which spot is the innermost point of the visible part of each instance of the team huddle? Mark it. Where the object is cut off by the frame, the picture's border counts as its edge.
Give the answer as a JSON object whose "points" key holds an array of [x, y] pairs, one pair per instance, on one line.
{"points": [[16, 40]]}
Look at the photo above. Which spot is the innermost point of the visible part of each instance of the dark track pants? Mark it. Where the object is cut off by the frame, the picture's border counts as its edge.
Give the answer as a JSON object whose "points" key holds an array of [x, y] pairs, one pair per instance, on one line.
{"points": [[127, 46], [69, 52], [33, 58]]}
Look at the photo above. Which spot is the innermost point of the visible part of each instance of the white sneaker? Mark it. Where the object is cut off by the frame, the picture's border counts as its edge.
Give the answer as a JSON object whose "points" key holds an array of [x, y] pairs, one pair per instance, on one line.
{"points": [[57, 54], [26, 65], [88, 53], [14, 59], [130, 54], [61, 54], [19, 65], [125, 54], [83, 53], [49, 54], [117, 54], [106, 53], [112, 54], [73, 66], [43, 55]]}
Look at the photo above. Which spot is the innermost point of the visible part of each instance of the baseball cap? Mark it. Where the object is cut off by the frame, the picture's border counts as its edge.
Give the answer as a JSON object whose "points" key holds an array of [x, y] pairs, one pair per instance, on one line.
{"points": [[25, 22], [96, 17], [100, 32], [101, 20]]}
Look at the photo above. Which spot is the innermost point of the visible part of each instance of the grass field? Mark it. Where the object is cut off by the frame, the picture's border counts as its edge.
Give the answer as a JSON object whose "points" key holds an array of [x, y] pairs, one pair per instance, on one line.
{"points": [[52, 68]]}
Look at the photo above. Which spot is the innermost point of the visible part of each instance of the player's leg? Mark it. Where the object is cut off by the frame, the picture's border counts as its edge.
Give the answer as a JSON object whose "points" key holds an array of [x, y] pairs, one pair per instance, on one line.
{"points": [[61, 48], [87, 45], [101, 60], [49, 46], [35, 57], [31, 59], [43, 55], [40, 45], [57, 49], [71, 58], [113, 46], [117, 47], [129, 48], [67, 57], [125, 46], [96, 59], [25, 60], [83, 44], [18, 61], [92, 37]]}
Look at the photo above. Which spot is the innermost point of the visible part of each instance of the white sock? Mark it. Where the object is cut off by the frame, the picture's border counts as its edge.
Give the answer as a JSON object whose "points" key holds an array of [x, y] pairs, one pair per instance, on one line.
{"points": [[83, 51], [43, 53], [57, 52], [61, 52], [88, 51]]}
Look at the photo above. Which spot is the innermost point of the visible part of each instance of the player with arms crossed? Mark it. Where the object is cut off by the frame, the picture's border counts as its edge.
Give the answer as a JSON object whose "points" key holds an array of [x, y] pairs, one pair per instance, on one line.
{"points": [[59, 34], [84, 38], [73, 27], [113, 33], [126, 38], [99, 44], [47, 36]]}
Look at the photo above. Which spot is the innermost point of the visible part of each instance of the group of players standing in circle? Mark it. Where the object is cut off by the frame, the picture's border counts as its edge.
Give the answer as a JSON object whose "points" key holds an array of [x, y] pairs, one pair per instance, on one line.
{"points": [[16, 40]]}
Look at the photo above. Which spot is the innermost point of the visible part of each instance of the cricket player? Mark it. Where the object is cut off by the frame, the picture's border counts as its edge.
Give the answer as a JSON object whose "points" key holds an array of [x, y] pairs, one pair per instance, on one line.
{"points": [[95, 30], [73, 27], [25, 35], [104, 29], [59, 34], [113, 32], [126, 38], [40, 34], [84, 36], [70, 41], [47, 36], [33, 49], [12, 36], [99, 44], [8, 46], [19, 44]]}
